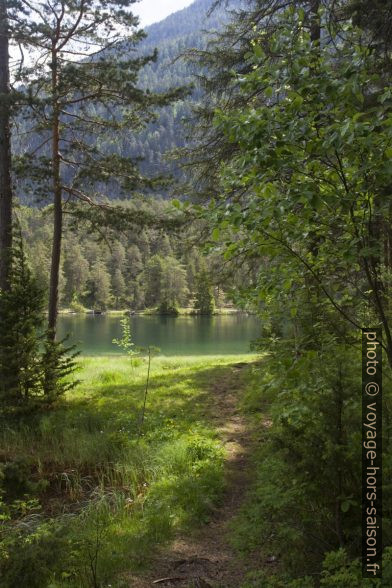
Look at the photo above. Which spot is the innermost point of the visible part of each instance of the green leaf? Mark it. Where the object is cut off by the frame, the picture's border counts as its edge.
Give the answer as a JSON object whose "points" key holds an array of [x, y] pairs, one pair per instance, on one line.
{"points": [[215, 234], [345, 505], [297, 102], [258, 51]]}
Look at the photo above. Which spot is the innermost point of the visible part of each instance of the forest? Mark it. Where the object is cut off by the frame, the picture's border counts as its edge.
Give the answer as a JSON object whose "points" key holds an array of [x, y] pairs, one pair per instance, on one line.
{"points": [[137, 271], [224, 175]]}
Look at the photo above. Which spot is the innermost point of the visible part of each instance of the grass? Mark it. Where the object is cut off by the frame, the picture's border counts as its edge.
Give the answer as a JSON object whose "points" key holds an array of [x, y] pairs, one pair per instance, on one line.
{"points": [[86, 486]]}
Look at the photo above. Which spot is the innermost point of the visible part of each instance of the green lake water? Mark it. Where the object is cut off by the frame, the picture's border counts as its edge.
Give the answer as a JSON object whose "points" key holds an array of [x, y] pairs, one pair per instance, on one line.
{"points": [[183, 335]]}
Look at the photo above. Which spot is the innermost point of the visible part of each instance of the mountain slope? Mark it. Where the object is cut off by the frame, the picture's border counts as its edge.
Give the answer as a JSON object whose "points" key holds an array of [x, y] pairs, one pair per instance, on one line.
{"points": [[172, 36], [186, 29]]}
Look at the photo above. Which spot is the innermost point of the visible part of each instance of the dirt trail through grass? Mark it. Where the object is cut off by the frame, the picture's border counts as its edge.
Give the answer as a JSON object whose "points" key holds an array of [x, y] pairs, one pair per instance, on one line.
{"points": [[204, 557]]}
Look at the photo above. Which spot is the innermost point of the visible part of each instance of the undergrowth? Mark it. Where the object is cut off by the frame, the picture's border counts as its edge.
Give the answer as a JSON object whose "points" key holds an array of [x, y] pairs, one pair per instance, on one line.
{"points": [[300, 524], [83, 499]]}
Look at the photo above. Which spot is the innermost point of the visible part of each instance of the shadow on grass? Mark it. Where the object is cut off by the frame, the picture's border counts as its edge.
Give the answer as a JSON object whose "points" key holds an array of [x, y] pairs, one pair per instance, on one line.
{"points": [[173, 479], [94, 433], [177, 400]]}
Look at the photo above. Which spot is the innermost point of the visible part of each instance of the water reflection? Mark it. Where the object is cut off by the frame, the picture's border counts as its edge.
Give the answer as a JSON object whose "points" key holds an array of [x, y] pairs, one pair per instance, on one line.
{"points": [[183, 335]]}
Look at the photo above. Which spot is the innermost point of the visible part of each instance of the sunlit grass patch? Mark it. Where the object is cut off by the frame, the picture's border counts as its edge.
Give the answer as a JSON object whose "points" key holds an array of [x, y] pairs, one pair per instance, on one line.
{"points": [[89, 470]]}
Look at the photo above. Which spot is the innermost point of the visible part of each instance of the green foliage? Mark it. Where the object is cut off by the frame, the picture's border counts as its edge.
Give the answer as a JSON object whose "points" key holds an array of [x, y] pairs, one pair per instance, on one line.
{"points": [[166, 283], [295, 161], [315, 404], [165, 132], [338, 571], [126, 343], [33, 373], [125, 496], [204, 302], [75, 271], [311, 163], [16, 480], [99, 293], [266, 580], [166, 309], [118, 286], [76, 306], [30, 556], [58, 365], [21, 326], [129, 271], [101, 98], [301, 183]]}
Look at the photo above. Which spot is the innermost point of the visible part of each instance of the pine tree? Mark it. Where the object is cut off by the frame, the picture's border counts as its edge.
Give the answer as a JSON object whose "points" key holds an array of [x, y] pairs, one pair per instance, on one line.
{"points": [[118, 286], [99, 287], [5, 154], [204, 302], [81, 89], [165, 284], [137, 296], [152, 280], [134, 261], [76, 272], [173, 286]]}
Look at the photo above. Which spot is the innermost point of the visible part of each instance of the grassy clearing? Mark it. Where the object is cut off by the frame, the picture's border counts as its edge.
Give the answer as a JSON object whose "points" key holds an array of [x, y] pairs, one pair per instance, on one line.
{"points": [[84, 497]]}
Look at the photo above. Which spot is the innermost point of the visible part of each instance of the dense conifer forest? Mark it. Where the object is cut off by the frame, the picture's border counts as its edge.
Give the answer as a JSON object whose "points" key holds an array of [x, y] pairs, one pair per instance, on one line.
{"points": [[148, 269]]}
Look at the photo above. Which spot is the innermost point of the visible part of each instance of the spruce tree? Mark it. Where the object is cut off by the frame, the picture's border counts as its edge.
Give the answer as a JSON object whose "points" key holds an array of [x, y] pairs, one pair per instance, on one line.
{"points": [[25, 361], [21, 322], [173, 288], [118, 286], [204, 302], [99, 287]]}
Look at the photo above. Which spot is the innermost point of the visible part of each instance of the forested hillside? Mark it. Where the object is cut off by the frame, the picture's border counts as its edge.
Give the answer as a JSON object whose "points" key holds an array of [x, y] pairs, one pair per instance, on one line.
{"points": [[186, 29], [92, 275], [151, 144], [149, 268]]}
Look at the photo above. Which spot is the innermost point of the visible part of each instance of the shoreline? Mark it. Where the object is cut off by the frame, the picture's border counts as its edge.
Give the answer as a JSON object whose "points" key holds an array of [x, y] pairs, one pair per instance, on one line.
{"points": [[154, 312]]}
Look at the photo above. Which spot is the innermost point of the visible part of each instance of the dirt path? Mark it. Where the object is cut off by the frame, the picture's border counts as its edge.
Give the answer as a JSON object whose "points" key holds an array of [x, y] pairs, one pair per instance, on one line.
{"points": [[205, 558]]}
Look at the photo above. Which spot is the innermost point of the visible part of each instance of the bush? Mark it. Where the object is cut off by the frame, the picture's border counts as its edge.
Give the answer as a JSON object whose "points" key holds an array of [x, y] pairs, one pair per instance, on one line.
{"points": [[167, 309], [339, 571], [307, 493], [30, 556], [15, 479], [76, 306]]}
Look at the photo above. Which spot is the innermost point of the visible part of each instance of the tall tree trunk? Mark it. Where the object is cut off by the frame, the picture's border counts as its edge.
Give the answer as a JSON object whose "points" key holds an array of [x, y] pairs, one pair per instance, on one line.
{"points": [[5, 154], [58, 206], [315, 27]]}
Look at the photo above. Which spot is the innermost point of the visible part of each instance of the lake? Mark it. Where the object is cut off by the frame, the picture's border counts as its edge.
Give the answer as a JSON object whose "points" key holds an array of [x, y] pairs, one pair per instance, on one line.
{"points": [[183, 335]]}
